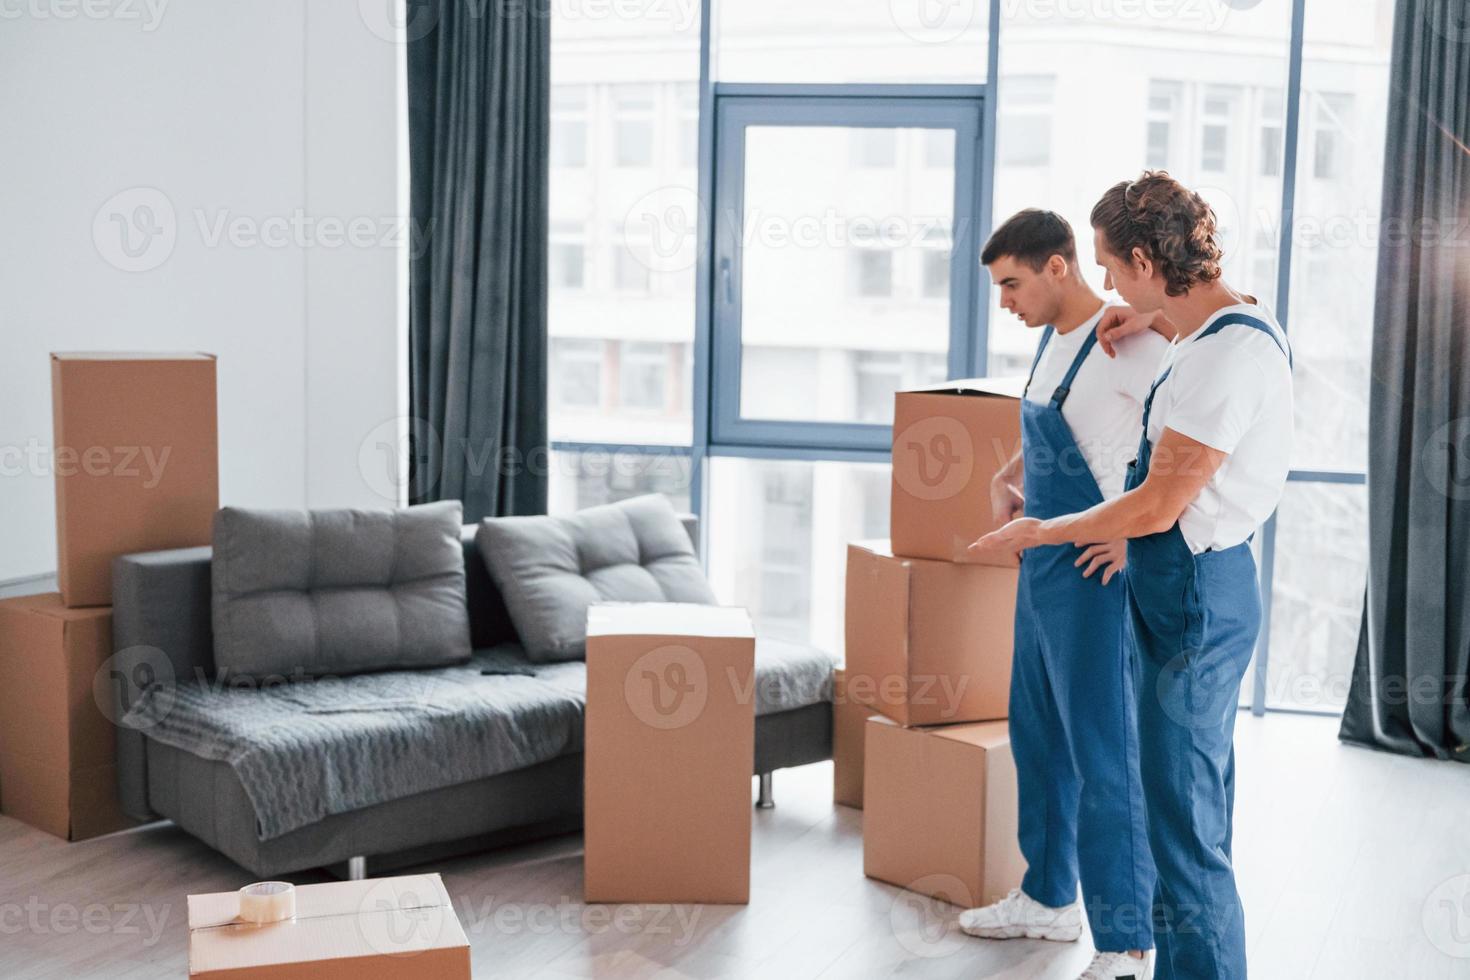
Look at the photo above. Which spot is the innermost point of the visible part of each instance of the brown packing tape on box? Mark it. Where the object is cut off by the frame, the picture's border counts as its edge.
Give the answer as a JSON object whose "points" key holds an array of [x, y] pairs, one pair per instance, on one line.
{"points": [[849, 720], [136, 461], [949, 441], [57, 747], [377, 929], [939, 813], [670, 744], [928, 642]]}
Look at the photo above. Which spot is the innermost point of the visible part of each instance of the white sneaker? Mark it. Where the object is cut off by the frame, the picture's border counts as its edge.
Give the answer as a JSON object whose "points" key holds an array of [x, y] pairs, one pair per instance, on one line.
{"points": [[1019, 916], [1119, 966]]}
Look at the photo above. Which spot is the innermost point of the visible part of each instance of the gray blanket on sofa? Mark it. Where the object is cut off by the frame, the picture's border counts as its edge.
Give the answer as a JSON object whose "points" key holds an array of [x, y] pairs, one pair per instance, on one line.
{"points": [[304, 751]]}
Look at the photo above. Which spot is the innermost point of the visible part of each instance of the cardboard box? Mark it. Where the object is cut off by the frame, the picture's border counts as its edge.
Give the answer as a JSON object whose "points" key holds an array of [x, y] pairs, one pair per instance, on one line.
{"points": [[849, 719], [58, 750], [928, 642], [670, 746], [940, 811], [949, 441], [136, 461], [378, 929]]}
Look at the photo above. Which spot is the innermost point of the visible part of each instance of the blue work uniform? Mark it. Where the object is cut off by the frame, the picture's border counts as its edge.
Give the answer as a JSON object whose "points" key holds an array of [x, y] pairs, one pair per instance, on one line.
{"points": [[1072, 714], [1195, 620]]}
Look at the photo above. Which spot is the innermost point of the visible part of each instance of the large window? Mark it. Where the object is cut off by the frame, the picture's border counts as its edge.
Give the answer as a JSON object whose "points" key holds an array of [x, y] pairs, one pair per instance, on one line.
{"points": [[753, 245]]}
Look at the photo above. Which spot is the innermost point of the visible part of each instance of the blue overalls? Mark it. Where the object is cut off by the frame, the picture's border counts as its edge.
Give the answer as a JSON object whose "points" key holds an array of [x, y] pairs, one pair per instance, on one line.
{"points": [[1072, 717], [1195, 620]]}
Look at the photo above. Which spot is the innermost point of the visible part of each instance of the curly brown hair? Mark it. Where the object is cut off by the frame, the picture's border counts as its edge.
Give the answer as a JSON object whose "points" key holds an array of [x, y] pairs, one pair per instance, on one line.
{"points": [[1170, 223]]}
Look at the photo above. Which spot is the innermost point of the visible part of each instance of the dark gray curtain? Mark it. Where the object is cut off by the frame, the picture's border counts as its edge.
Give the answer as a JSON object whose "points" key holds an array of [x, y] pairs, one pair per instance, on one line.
{"points": [[1408, 690], [479, 109]]}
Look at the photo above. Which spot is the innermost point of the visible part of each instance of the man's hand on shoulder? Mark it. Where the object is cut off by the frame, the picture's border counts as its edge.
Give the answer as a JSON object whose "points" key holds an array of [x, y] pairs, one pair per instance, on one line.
{"points": [[1120, 322]]}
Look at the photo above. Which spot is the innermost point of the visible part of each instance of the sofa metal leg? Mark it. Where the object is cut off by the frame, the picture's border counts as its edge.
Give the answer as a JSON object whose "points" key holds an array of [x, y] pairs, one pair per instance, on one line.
{"points": [[356, 868], [764, 800]]}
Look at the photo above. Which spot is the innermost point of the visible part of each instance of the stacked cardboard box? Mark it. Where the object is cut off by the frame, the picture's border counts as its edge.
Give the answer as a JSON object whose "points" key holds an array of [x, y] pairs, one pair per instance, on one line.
{"points": [[929, 634], [136, 463]]}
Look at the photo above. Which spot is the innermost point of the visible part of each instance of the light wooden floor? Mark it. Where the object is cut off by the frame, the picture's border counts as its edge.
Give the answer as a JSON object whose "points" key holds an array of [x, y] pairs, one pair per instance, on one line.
{"points": [[1352, 864]]}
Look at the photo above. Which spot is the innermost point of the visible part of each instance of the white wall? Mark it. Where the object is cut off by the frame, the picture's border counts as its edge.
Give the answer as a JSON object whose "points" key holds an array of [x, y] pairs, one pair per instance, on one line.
{"points": [[257, 116]]}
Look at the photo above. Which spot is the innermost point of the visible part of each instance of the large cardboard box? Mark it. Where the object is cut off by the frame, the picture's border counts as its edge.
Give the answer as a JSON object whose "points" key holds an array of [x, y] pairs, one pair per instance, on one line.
{"points": [[670, 745], [939, 813], [928, 642], [136, 461], [849, 719], [378, 929], [58, 752], [949, 441]]}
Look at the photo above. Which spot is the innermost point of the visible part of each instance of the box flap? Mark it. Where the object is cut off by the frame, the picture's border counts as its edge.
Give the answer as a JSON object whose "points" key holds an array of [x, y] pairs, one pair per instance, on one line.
{"points": [[1004, 387], [49, 604], [667, 619], [97, 355], [985, 734], [334, 898]]}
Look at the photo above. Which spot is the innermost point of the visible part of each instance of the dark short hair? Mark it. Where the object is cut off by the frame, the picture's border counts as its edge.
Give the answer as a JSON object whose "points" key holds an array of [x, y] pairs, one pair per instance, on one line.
{"points": [[1171, 224], [1032, 236]]}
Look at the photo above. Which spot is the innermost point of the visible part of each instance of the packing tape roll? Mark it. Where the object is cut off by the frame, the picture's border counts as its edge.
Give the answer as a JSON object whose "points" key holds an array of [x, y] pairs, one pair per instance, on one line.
{"points": [[268, 901]]}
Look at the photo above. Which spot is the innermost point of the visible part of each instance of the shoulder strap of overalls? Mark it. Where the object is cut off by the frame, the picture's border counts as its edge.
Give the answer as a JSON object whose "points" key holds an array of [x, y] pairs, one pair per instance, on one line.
{"points": [[1040, 347], [1065, 388], [1255, 323]]}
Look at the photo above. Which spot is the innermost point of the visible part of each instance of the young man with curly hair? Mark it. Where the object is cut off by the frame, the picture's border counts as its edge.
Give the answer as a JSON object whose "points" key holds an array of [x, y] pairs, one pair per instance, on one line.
{"points": [[1211, 467]]}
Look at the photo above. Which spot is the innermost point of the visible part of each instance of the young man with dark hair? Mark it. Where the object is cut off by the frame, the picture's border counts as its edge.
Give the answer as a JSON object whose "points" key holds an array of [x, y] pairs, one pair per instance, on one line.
{"points": [[1073, 718]]}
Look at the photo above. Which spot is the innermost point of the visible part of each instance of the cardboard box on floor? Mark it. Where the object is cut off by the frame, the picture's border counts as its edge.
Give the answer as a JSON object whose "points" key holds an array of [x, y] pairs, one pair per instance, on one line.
{"points": [[939, 814], [928, 642], [378, 929], [137, 461], [949, 441], [670, 743], [58, 756], [849, 719]]}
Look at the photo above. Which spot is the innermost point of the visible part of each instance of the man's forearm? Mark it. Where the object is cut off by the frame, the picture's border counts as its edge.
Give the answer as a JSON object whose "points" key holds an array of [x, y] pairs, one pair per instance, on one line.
{"points": [[1131, 515]]}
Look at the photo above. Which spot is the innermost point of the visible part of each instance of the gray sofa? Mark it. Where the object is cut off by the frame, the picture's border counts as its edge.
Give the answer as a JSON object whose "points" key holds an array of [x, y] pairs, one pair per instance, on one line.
{"points": [[162, 619]]}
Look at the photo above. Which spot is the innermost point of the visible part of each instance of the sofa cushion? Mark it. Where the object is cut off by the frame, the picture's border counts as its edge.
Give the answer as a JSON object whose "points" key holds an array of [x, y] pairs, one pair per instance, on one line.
{"points": [[308, 593], [550, 569]]}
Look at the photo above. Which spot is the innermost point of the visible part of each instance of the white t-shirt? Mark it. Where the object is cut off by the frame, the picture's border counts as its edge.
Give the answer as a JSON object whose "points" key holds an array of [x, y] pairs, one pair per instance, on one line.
{"points": [[1232, 392], [1105, 408]]}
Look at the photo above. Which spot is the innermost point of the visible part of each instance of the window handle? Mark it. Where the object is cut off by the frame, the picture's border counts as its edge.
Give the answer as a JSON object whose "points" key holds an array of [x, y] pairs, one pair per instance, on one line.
{"points": [[725, 281]]}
